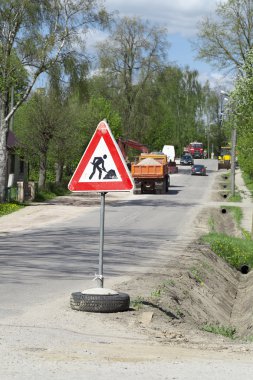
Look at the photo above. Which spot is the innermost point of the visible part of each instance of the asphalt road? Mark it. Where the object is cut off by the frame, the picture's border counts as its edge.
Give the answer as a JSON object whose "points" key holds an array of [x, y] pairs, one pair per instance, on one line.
{"points": [[41, 266], [65, 254]]}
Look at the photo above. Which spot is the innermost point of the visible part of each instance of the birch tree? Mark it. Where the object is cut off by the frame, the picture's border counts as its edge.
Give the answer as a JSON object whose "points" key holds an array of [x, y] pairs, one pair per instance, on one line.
{"points": [[226, 38], [37, 34], [130, 57]]}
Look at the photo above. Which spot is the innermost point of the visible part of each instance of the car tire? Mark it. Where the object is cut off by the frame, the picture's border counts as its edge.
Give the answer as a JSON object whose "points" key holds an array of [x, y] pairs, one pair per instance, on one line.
{"points": [[100, 303]]}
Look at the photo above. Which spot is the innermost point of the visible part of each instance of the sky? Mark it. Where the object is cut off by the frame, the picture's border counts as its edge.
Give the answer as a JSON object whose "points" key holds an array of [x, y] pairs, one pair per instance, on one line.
{"points": [[180, 17]]}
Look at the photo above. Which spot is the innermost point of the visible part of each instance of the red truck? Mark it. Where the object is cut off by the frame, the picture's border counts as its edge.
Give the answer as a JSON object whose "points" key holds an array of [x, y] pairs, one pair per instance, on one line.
{"points": [[195, 149]]}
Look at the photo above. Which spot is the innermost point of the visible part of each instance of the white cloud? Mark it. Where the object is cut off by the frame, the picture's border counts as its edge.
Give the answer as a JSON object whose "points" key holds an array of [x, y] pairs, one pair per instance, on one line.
{"points": [[179, 16], [217, 80]]}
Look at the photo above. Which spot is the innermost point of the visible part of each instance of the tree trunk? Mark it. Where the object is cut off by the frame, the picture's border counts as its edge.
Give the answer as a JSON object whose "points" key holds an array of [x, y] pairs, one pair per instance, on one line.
{"points": [[58, 172], [3, 156], [42, 171]]}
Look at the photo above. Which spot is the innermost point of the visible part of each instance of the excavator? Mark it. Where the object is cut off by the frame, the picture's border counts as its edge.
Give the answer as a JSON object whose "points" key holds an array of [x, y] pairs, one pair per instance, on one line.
{"points": [[126, 143]]}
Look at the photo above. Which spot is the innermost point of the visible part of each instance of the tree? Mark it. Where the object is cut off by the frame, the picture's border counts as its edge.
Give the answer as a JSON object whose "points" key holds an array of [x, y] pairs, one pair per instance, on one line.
{"points": [[226, 40], [131, 55], [97, 109], [214, 136], [37, 35], [38, 121], [176, 108], [241, 115]]}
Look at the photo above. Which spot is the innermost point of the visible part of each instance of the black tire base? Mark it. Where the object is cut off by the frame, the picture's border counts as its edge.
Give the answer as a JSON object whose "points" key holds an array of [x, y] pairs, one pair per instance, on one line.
{"points": [[100, 303]]}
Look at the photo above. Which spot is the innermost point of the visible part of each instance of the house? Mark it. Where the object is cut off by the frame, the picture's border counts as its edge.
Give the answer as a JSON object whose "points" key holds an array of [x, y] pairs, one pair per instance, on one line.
{"points": [[18, 186]]}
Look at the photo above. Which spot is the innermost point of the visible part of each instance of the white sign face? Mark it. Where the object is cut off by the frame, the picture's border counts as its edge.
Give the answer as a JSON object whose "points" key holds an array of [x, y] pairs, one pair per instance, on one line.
{"points": [[101, 166]]}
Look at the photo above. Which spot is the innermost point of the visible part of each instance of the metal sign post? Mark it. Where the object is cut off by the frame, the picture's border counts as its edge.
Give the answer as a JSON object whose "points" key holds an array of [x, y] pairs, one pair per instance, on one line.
{"points": [[102, 168], [100, 277]]}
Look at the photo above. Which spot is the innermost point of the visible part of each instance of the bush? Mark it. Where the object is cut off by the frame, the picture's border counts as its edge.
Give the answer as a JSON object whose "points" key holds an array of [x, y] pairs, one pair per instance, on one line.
{"points": [[51, 191], [57, 189]]}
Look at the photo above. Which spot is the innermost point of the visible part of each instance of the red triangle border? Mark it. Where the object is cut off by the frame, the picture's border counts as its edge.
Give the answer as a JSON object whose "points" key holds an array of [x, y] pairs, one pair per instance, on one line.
{"points": [[102, 131]]}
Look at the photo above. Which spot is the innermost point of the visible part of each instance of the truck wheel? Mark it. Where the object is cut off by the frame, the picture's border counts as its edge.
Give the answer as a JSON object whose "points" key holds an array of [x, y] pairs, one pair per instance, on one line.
{"points": [[165, 185], [100, 303]]}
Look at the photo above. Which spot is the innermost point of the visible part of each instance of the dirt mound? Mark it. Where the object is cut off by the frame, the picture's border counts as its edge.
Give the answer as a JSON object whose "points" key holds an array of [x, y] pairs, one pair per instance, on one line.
{"points": [[179, 303], [195, 292]]}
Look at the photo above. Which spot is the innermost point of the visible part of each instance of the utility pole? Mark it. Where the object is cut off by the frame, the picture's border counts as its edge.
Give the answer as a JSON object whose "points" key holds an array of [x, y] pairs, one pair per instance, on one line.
{"points": [[233, 162]]}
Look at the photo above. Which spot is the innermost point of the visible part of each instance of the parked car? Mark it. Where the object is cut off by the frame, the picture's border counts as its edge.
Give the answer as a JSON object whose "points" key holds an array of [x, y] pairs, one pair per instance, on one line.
{"points": [[198, 170], [186, 160]]}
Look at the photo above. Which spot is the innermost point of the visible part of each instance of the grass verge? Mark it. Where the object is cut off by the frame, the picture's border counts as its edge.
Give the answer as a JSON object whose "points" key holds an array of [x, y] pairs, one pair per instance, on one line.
{"points": [[8, 208], [248, 180], [235, 251], [236, 198]]}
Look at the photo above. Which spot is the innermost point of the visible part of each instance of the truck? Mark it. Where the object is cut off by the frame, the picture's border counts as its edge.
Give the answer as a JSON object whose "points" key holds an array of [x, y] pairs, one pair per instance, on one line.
{"points": [[151, 173], [195, 149], [224, 158], [169, 150]]}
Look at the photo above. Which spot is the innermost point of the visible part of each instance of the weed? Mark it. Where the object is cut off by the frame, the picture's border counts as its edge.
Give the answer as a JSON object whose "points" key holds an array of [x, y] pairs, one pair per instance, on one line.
{"points": [[156, 293], [211, 224], [195, 273], [229, 332], [160, 289], [137, 303], [179, 313]]}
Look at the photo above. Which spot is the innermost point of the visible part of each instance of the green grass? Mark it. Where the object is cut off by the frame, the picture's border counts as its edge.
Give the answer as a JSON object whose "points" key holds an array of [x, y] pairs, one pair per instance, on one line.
{"points": [[8, 208], [235, 251], [236, 198], [248, 180], [229, 332]]}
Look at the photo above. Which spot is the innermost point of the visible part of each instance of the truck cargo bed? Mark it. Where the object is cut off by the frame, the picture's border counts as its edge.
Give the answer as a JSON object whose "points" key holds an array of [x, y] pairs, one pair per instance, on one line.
{"points": [[150, 171]]}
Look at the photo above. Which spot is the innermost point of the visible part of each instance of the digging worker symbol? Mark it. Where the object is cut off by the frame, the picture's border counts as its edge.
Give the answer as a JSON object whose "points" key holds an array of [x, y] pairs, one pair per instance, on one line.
{"points": [[99, 165]]}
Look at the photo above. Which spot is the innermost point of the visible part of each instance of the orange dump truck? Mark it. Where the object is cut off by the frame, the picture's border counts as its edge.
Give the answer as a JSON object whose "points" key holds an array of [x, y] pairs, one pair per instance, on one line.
{"points": [[151, 174]]}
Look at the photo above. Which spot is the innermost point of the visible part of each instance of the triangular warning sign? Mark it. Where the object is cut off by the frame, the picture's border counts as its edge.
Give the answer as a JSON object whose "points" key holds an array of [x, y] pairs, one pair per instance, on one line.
{"points": [[102, 167]]}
